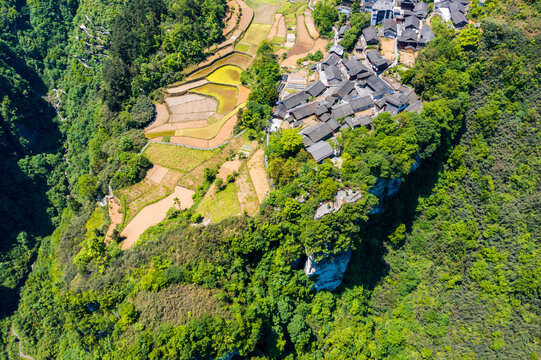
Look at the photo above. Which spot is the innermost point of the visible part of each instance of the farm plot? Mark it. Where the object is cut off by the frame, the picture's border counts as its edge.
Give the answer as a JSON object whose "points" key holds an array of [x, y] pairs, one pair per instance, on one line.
{"points": [[191, 107], [246, 193], [177, 157], [237, 59], [227, 74], [310, 24], [154, 214], [226, 96], [213, 130], [254, 36], [303, 45], [258, 174]]}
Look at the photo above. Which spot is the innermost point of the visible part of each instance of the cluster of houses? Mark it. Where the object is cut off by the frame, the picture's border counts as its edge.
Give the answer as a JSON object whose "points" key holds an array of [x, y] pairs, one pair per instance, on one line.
{"points": [[347, 95], [401, 10]]}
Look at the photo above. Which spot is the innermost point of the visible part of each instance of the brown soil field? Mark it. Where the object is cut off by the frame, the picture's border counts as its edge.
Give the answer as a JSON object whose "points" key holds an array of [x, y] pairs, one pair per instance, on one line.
{"points": [[185, 87], [154, 214], [282, 28], [274, 28], [226, 96], [115, 214], [304, 41], [243, 95], [387, 48], [178, 126], [229, 167], [258, 174], [162, 115], [310, 24], [137, 196]]}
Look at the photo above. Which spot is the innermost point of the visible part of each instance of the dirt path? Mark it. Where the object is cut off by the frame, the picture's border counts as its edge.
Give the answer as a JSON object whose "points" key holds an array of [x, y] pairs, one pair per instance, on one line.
{"points": [[115, 214], [258, 174], [162, 115], [154, 214], [21, 354]]}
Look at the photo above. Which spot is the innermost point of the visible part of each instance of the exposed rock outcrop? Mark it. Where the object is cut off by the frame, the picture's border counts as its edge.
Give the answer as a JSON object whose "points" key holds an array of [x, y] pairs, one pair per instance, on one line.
{"points": [[344, 196], [328, 273]]}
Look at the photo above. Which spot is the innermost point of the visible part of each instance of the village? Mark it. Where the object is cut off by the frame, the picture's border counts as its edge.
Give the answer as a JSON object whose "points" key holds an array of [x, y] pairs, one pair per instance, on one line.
{"points": [[351, 89], [193, 133]]}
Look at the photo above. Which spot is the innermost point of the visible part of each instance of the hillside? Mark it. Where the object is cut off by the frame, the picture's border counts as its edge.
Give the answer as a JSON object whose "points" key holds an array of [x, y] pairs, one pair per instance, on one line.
{"points": [[445, 261]]}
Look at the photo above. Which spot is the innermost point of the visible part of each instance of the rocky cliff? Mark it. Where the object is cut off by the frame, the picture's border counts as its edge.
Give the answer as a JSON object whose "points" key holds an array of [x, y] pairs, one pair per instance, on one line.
{"points": [[327, 273]]}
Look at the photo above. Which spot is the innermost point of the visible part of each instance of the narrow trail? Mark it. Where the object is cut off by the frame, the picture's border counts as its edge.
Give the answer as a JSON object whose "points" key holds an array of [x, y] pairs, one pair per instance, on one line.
{"points": [[21, 354]]}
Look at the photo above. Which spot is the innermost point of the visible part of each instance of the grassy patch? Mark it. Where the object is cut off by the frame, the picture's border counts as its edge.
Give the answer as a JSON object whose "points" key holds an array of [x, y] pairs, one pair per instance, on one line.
{"points": [[228, 74], [177, 157], [225, 204], [243, 47], [208, 132], [256, 33], [278, 40], [226, 95], [240, 60], [95, 222]]}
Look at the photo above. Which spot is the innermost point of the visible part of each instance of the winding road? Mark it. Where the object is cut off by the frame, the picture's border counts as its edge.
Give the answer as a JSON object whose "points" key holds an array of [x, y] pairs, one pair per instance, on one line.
{"points": [[21, 354]]}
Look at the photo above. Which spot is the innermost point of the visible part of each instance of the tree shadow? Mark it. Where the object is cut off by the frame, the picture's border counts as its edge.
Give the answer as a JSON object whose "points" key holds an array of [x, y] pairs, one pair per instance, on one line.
{"points": [[368, 266]]}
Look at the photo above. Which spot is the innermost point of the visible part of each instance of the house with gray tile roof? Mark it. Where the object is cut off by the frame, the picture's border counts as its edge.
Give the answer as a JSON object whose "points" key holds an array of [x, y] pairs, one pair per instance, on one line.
{"points": [[334, 76], [342, 111], [317, 132], [390, 28], [315, 89], [304, 111], [371, 36], [379, 63], [320, 151], [296, 99], [362, 103]]}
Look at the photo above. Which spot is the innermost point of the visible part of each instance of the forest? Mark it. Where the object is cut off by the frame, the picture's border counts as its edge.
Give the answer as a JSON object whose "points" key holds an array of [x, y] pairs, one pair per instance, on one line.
{"points": [[447, 267]]}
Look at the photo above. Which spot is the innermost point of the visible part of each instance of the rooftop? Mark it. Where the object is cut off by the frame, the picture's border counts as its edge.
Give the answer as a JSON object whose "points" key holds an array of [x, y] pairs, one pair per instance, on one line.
{"points": [[320, 151]]}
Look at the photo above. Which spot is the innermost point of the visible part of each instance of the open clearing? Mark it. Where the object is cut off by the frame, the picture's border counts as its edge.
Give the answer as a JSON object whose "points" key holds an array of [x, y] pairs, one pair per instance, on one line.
{"points": [[258, 174], [154, 214], [387, 48], [237, 59], [226, 96], [255, 35], [227, 74], [177, 157], [157, 173]]}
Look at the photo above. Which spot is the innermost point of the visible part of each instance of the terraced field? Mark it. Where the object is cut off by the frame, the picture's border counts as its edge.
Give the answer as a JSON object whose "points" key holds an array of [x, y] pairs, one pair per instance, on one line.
{"points": [[236, 59], [226, 95], [227, 74]]}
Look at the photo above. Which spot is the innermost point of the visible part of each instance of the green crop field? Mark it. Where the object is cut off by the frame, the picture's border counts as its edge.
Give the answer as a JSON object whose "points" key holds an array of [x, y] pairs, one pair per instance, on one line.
{"points": [[177, 157], [256, 33], [228, 74]]}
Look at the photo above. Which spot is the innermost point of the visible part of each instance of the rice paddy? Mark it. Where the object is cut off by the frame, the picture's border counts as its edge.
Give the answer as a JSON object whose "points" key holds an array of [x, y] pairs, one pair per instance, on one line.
{"points": [[208, 132], [226, 95], [228, 74]]}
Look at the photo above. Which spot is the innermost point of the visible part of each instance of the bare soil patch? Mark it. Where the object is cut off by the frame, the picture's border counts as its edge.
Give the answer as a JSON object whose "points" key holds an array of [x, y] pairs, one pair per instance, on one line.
{"points": [[407, 58], [387, 48], [115, 214], [191, 107], [257, 172], [304, 41], [310, 24], [264, 13], [282, 28], [233, 14], [162, 115], [244, 92], [154, 214], [274, 28]]}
